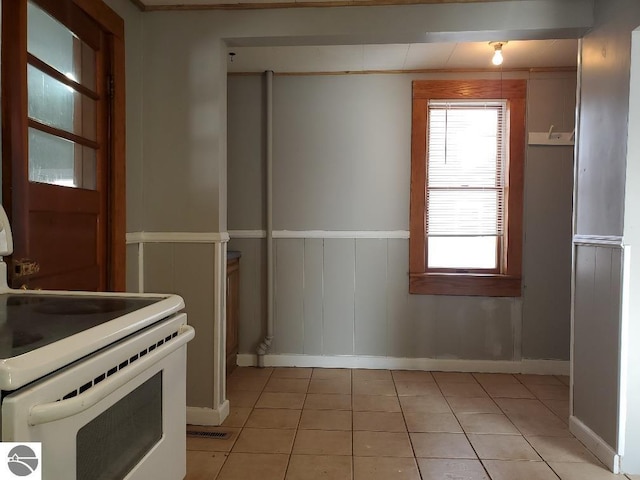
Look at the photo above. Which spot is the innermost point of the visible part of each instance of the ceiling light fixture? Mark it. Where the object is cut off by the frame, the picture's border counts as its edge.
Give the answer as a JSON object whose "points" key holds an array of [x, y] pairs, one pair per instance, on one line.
{"points": [[497, 56]]}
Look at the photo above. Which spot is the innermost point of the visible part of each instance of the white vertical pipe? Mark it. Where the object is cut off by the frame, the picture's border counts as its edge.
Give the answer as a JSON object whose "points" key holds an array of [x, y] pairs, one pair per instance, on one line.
{"points": [[263, 348]]}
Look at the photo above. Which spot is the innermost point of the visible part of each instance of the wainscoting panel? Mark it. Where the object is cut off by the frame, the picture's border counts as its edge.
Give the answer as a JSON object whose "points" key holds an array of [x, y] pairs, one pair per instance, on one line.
{"points": [[597, 339], [193, 265], [400, 332], [158, 269], [133, 268], [476, 327], [371, 297], [289, 292], [422, 325], [253, 296], [349, 296], [313, 295], [339, 291]]}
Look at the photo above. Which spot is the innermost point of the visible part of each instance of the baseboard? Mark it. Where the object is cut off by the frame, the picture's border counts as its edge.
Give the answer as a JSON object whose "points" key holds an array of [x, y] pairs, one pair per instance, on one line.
{"points": [[208, 416], [541, 367], [595, 444], [545, 367]]}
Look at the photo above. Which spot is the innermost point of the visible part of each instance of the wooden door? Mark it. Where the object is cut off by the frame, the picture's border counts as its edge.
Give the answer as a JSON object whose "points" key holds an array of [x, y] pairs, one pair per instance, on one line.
{"points": [[60, 158]]}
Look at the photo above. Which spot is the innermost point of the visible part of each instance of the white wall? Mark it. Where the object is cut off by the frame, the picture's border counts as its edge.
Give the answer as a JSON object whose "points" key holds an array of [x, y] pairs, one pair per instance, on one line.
{"points": [[342, 163]]}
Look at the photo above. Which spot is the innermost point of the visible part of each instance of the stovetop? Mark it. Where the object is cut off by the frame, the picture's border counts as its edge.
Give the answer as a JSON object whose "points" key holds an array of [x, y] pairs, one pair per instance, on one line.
{"points": [[30, 321], [45, 331], [42, 332]]}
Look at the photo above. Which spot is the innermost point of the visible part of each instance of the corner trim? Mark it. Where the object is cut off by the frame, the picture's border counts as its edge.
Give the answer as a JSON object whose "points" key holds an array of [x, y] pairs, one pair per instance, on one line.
{"points": [[177, 237], [614, 241], [595, 444], [540, 367], [208, 416], [623, 365], [134, 237]]}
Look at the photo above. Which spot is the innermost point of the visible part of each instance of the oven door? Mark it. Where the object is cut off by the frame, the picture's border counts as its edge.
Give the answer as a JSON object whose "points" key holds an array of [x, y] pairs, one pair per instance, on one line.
{"points": [[118, 414]]}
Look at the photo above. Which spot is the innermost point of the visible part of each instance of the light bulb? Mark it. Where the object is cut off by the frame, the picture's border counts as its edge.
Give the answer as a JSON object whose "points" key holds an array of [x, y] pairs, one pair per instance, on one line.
{"points": [[497, 57]]}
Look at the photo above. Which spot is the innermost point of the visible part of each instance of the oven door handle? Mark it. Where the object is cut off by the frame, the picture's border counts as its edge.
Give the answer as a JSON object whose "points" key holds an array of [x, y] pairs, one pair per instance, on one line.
{"points": [[50, 412]]}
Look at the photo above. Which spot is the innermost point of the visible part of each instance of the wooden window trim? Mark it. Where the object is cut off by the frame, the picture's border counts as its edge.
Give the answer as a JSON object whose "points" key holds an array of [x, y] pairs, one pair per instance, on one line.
{"points": [[507, 283]]}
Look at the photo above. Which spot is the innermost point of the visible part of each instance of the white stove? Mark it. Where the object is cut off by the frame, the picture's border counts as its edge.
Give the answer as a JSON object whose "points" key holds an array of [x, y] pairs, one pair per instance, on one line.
{"points": [[98, 378]]}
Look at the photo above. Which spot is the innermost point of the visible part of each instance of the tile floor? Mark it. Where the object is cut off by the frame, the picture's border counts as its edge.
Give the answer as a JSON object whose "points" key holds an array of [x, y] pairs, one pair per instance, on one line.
{"points": [[338, 424]]}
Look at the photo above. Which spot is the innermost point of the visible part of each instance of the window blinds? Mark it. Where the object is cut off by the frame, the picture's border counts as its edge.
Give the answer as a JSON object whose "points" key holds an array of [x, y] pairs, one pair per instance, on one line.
{"points": [[466, 160]]}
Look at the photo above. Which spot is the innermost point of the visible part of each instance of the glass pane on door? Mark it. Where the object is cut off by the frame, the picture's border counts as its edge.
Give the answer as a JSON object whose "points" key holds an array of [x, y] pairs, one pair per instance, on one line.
{"points": [[58, 47], [55, 104], [59, 161], [57, 107]]}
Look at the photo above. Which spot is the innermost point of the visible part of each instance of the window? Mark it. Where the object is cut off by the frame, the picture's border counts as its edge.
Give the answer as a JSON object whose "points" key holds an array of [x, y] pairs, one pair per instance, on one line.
{"points": [[466, 187]]}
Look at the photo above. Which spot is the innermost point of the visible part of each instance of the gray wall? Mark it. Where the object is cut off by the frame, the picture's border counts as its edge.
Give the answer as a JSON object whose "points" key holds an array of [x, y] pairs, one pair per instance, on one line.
{"points": [[341, 145], [133, 19], [177, 118], [184, 59], [342, 162], [602, 159], [184, 117], [185, 269], [548, 202]]}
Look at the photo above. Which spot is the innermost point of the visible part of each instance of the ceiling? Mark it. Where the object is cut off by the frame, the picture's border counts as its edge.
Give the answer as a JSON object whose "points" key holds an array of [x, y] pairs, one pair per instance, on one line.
{"points": [[421, 56]]}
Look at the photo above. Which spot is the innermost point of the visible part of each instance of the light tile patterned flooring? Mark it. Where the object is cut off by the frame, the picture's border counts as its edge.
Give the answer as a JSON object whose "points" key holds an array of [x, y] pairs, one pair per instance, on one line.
{"points": [[338, 424]]}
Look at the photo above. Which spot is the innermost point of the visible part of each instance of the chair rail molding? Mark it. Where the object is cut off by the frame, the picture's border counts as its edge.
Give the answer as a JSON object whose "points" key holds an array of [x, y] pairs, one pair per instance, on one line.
{"points": [[613, 241], [177, 237], [399, 234]]}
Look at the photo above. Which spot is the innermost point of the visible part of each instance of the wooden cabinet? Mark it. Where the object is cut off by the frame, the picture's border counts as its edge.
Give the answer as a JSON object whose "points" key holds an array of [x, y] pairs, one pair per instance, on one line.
{"points": [[233, 307]]}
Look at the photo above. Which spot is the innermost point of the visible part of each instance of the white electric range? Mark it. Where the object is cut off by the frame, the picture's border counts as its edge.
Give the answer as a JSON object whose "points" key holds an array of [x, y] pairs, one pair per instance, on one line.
{"points": [[98, 378]]}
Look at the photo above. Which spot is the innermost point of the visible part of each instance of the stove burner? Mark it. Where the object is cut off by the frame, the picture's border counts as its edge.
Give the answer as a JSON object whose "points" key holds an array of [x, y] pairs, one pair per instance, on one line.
{"points": [[29, 321], [76, 306], [22, 339]]}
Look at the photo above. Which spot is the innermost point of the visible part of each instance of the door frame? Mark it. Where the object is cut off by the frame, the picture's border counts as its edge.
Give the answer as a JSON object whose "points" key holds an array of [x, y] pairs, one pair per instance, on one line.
{"points": [[15, 126]]}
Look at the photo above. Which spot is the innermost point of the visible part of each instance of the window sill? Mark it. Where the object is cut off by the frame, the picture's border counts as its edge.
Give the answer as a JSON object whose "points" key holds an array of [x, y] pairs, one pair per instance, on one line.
{"points": [[486, 285]]}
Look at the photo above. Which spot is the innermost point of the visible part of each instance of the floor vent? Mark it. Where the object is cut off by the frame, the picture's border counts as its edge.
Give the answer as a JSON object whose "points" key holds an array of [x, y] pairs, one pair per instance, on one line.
{"points": [[216, 435]]}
